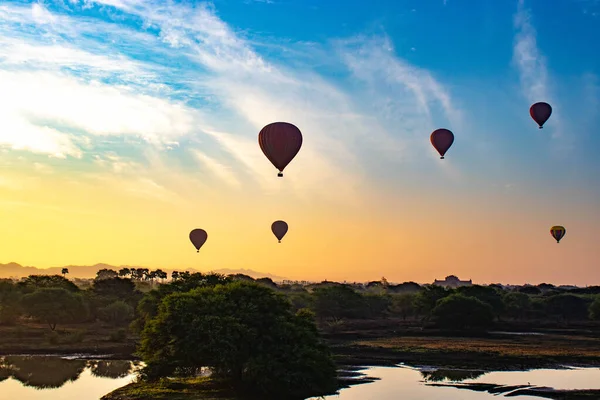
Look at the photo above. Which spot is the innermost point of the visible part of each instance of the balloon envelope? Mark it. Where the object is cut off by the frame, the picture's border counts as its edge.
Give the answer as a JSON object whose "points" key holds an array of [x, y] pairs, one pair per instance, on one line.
{"points": [[540, 112], [442, 139], [558, 232], [198, 238], [279, 229], [280, 142]]}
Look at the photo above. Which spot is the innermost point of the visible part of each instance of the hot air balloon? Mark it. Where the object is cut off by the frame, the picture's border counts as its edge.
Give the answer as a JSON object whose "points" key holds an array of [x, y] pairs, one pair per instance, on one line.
{"points": [[279, 229], [280, 142], [198, 237], [540, 112], [558, 232], [442, 139]]}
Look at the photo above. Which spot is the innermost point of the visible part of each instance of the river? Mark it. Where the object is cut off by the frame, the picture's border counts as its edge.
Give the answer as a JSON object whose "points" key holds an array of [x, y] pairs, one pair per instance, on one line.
{"points": [[72, 378]]}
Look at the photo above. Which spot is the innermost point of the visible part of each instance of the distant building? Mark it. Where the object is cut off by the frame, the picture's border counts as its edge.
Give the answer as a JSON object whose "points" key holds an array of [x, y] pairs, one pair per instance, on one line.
{"points": [[452, 281]]}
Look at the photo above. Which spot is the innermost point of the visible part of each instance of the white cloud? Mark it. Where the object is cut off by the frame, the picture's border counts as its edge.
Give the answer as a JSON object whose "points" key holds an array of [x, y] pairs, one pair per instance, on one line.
{"points": [[44, 98], [533, 70], [220, 170]]}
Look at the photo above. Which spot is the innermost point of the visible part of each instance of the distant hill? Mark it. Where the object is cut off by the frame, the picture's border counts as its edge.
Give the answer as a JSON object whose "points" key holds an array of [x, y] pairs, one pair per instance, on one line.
{"points": [[15, 270]]}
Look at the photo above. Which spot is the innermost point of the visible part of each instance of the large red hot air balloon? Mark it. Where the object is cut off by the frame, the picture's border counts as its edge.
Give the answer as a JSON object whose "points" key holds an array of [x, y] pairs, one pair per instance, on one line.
{"points": [[198, 237], [558, 232], [279, 229], [442, 139], [280, 141], [540, 112]]}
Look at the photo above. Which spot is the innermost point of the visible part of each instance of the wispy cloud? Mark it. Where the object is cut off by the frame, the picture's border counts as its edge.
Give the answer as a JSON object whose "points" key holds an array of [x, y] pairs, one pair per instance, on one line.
{"points": [[533, 69], [185, 77]]}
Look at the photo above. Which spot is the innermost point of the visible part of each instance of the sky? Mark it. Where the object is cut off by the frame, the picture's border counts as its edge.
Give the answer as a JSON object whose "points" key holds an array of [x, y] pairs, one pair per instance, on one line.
{"points": [[125, 124]]}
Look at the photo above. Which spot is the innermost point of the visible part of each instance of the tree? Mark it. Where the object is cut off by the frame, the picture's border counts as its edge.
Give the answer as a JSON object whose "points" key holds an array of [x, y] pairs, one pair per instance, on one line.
{"points": [[35, 282], [427, 298], [403, 305], [124, 272], [65, 271], [10, 298], [247, 334], [567, 307], [53, 306], [105, 273], [594, 309], [517, 304], [338, 301], [460, 312], [117, 313], [174, 275], [486, 294], [160, 274], [148, 305]]}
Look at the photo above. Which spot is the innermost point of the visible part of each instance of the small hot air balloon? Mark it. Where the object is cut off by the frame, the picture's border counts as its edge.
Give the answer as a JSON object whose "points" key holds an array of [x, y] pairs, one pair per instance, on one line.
{"points": [[442, 139], [558, 232], [198, 237], [540, 112], [279, 229], [280, 142]]}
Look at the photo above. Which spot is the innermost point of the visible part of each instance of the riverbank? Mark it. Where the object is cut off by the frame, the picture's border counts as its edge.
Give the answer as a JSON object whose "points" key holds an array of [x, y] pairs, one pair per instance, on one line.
{"points": [[384, 342]]}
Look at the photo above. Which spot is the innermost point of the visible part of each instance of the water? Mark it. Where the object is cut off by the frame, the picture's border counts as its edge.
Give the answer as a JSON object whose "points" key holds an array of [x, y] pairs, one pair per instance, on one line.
{"points": [[56, 378], [410, 383], [71, 378]]}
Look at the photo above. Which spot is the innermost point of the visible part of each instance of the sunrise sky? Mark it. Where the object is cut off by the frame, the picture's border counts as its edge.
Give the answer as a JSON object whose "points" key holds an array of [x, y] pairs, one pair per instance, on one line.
{"points": [[124, 124]]}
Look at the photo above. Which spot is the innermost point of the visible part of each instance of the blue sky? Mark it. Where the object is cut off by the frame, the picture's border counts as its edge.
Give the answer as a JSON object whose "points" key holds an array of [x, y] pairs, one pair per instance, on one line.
{"points": [[160, 95]]}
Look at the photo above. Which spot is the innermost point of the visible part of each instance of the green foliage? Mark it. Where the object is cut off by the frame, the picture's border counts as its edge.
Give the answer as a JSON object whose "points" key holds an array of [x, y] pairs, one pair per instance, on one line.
{"points": [[117, 313], [486, 294], [517, 304], [460, 312], [376, 305], [567, 307], [248, 335], [54, 305], [426, 300], [35, 282], [120, 335], [403, 305], [338, 301], [148, 305], [594, 309], [10, 298]]}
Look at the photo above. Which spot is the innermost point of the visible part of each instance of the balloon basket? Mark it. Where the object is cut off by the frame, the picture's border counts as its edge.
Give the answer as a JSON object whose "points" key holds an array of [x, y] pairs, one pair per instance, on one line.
{"points": [[280, 174]]}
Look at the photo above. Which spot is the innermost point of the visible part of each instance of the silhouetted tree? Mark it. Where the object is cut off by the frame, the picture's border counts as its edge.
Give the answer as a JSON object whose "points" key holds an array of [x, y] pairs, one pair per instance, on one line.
{"points": [[105, 273], [533, 290], [247, 334], [403, 305], [53, 306], [594, 309], [486, 294], [339, 301], [517, 304], [460, 312], [124, 272], [427, 298], [65, 271], [10, 306], [567, 307], [35, 282]]}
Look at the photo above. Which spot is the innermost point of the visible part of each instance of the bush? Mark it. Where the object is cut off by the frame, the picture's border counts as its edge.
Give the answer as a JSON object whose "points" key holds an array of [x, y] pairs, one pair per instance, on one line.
{"points": [[117, 313], [459, 312], [120, 335]]}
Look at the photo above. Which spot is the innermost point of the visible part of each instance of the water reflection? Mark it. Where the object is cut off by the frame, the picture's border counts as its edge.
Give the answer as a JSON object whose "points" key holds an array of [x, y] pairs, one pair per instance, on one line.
{"points": [[42, 372], [111, 368], [408, 383], [52, 377], [454, 375]]}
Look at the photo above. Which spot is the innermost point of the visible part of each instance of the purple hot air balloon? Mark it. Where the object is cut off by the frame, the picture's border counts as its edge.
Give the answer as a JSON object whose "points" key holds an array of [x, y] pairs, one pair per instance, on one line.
{"points": [[442, 139], [280, 142], [198, 238], [540, 112], [279, 229]]}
